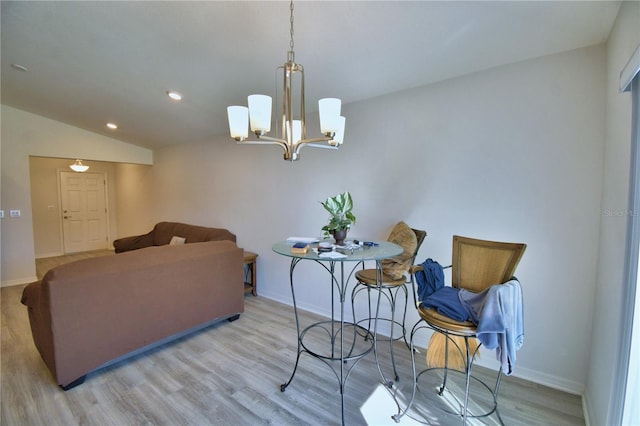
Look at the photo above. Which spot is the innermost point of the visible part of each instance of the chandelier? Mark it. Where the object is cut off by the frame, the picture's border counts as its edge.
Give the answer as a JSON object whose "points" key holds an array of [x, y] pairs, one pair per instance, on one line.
{"points": [[293, 130], [77, 166]]}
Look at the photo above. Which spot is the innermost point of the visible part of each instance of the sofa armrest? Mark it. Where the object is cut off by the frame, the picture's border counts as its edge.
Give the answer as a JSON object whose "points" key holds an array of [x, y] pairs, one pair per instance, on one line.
{"points": [[40, 320], [133, 243]]}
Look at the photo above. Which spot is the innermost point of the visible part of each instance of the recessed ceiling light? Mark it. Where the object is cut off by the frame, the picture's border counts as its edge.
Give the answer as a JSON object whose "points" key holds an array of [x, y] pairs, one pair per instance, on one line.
{"points": [[174, 95], [112, 126], [19, 67]]}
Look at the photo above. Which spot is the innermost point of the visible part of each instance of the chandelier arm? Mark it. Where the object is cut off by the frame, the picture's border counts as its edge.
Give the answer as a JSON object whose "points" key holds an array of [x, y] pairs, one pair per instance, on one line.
{"points": [[314, 140], [268, 140], [271, 140], [256, 142], [314, 143], [319, 145]]}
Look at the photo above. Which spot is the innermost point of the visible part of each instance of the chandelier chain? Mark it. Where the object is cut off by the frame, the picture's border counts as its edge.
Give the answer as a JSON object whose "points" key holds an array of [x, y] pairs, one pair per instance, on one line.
{"points": [[291, 27]]}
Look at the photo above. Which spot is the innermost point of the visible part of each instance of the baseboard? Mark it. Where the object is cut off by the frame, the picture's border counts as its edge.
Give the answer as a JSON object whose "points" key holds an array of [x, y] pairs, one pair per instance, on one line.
{"points": [[19, 281], [52, 254], [558, 383], [586, 408]]}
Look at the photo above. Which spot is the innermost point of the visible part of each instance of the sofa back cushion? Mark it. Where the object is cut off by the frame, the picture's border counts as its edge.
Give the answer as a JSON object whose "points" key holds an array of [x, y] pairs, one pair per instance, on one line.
{"points": [[406, 238], [163, 232]]}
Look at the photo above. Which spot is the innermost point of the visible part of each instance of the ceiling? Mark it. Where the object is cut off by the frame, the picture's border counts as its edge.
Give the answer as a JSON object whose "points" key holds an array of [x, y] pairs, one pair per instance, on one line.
{"points": [[93, 62]]}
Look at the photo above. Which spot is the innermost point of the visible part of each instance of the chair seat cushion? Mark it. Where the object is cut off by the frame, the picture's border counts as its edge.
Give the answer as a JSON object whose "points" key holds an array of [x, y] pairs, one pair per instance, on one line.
{"points": [[368, 277], [443, 322]]}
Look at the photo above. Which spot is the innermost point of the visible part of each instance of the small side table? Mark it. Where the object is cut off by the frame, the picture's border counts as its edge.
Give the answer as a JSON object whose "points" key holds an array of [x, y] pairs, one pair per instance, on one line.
{"points": [[250, 268]]}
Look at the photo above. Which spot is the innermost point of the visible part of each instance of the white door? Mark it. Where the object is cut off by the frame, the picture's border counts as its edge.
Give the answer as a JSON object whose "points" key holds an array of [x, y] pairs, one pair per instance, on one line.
{"points": [[84, 211]]}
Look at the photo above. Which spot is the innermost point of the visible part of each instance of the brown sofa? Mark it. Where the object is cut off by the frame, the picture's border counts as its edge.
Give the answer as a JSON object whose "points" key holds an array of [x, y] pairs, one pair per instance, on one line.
{"points": [[89, 312], [163, 232]]}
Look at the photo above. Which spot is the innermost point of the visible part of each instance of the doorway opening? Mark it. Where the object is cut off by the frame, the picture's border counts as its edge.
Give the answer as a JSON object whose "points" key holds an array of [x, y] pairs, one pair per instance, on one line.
{"points": [[50, 228]]}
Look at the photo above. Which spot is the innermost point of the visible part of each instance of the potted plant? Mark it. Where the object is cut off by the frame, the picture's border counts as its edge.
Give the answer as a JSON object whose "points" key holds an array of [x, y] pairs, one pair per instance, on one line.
{"points": [[339, 207]]}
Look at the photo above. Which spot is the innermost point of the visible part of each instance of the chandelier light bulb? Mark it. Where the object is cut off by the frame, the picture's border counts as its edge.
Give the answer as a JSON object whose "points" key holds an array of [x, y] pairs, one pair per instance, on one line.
{"points": [[238, 122], [329, 110], [338, 138], [260, 113]]}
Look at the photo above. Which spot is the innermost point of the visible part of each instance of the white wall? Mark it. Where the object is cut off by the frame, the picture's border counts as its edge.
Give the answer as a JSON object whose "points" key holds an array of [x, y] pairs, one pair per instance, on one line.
{"points": [[624, 38], [514, 153], [134, 215], [24, 134]]}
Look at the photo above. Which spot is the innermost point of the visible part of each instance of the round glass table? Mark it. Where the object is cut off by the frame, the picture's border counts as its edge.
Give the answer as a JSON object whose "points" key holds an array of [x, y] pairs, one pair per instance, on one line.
{"points": [[335, 341]]}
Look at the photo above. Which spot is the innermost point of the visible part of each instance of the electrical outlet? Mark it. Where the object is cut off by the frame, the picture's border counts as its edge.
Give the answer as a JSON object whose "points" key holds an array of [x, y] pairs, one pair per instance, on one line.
{"points": [[14, 213], [1, 214]]}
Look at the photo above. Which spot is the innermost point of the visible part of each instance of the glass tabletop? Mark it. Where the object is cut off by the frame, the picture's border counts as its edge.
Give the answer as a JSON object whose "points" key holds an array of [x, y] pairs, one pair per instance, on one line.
{"points": [[380, 250]]}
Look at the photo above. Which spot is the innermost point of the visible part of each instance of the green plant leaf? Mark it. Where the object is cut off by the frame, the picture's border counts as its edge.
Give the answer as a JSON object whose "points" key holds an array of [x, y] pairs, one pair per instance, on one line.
{"points": [[339, 207]]}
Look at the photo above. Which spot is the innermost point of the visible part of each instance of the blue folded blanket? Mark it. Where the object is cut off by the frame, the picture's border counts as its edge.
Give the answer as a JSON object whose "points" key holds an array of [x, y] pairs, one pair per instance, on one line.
{"points": [[430, 279], [447, 302]]}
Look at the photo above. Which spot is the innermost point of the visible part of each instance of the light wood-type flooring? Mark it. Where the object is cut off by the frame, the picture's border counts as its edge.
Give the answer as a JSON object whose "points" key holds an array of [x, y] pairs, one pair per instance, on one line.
{"points": [[230, 374]]}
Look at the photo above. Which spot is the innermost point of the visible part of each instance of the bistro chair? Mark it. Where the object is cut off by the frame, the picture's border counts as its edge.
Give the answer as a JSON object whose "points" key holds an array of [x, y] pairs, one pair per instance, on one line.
{"points": [[476, 266], [395, 279]]}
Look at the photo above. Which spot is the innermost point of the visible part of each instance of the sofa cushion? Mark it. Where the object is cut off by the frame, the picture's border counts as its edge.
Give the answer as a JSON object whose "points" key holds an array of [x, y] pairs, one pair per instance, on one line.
{"points": [[164, 231], [134, 242], [404, 236], [175, 240]]}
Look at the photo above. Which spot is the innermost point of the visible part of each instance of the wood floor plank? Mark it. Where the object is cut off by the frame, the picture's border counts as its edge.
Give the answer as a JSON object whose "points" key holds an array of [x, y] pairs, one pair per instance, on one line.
{"points": [[230, 374]]}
